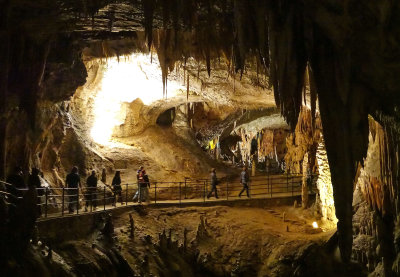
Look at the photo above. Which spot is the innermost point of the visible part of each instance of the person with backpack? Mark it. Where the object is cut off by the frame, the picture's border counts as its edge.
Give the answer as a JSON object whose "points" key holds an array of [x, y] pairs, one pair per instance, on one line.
{"points": [[91, 190], [214, 183]]}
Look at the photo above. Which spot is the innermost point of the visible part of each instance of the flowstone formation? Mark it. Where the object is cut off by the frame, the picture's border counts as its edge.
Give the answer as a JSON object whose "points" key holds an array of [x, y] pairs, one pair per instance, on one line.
{"points": [[376, 218], [324, 185]]}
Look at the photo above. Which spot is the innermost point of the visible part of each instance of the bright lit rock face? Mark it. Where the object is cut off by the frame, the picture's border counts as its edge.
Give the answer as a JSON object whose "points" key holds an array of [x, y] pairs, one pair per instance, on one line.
{"points": [[137, 76], [324, 185]]}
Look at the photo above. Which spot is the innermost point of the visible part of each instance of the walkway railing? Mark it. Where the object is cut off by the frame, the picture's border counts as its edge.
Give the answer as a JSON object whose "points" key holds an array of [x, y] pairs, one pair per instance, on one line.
{"points": [[55, 202]]}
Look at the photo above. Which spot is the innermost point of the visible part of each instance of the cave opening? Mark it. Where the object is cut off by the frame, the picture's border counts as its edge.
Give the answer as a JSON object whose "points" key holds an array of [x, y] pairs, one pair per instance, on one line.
{"points": [[166, 118]]}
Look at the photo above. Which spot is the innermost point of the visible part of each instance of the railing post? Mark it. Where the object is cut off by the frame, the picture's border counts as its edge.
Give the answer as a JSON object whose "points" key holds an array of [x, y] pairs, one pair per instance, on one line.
{"points": [[287, 182], [291, 182], [77, 200], [46, 202], [227, 191], [63, 201], [185, 188], [139, 185], [104, 197], [204, 191], [270, 185], [126, 195], [155, 192], [180, 193], [250, 189], [91, 198]]}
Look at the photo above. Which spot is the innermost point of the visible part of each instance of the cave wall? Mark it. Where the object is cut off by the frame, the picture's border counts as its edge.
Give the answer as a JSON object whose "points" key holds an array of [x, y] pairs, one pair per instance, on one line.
{"points": [[34, 116], [305, 138], [376, 216]]}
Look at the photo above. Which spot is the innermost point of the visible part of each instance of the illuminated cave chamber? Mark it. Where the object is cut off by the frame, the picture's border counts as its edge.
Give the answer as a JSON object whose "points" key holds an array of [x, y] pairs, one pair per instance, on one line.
{"points": [[131, 115], [122, 86], [122, 105]]}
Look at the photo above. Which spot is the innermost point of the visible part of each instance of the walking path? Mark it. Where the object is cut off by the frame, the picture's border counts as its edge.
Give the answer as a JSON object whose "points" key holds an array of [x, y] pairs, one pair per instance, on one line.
{"points": [[55, 201]]}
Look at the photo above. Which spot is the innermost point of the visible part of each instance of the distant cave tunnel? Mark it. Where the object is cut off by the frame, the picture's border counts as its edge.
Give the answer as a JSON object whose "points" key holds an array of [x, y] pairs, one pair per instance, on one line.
{"points": [[166, 118]]}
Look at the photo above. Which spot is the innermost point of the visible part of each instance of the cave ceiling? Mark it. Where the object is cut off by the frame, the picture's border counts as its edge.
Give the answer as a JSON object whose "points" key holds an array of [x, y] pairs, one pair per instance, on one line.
{"points": [[349, 49]]}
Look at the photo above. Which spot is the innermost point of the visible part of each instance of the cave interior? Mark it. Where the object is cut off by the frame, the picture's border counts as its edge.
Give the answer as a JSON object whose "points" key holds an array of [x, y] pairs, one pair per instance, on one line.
{"points": [[182, 86]]}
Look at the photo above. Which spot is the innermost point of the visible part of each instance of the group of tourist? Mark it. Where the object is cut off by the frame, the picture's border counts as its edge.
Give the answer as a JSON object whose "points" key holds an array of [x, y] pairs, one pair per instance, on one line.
{"points": [[73, 185], [18, 185]]}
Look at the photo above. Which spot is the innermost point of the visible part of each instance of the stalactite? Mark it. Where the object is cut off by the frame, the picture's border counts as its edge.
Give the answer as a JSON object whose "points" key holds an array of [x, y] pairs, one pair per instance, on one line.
{"points": [[288, 58], [148, 10]]}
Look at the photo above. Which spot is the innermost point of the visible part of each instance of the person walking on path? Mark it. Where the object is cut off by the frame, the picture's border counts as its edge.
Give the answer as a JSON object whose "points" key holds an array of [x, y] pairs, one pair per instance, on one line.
{"points": [[139, 179], [214, 183], [91, 190], [145, 186], [116, 187], [244, 180], [104, 176], [73, 182]]}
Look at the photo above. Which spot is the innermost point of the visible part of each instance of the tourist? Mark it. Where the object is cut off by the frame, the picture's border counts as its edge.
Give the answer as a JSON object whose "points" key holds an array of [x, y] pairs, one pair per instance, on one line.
{"points": [[16, 179], [91, 196], [139, 177], [145, 186], [34, 183], [116, 187], [73, 182], [244, 180], [104, 176], [214, 183]]}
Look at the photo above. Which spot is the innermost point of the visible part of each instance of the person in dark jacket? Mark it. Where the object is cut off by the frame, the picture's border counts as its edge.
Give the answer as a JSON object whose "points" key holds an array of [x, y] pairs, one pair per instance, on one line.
{"points": [[116, 187], [214, 183], [104, 176], [16, 180], [34, 183], [73, 182], [91, 190], [139, 178], [244, 180], [145, 186]]}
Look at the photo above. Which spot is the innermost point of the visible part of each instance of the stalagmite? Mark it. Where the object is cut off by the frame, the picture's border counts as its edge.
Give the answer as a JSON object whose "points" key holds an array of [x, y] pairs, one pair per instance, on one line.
{"points": [[304, 187]]}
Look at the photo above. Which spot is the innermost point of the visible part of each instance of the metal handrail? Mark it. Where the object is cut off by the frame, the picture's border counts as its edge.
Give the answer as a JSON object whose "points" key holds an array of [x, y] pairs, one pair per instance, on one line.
{"points": [[53, 198]]}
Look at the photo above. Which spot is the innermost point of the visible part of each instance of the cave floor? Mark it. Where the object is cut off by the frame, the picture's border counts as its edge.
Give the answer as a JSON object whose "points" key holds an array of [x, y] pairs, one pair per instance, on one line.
{"points": [[224, 236], [247, 219]]}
